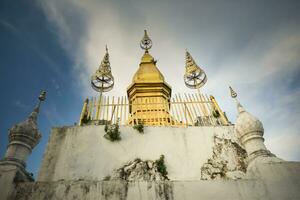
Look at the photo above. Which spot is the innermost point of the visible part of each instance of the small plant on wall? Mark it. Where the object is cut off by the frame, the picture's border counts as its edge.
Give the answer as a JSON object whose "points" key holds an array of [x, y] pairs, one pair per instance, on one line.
{"points": [[112, 132], [161, 166], [139, 128], [86, 119]]}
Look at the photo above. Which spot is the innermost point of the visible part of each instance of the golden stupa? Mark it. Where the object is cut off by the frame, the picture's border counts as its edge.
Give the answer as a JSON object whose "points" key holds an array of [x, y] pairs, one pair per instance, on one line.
{"points": [[149, 94]]}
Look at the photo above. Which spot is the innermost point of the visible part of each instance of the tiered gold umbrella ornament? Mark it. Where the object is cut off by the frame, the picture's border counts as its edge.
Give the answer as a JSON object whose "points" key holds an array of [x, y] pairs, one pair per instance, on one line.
{"points": [[195, 78], [101, 81]]}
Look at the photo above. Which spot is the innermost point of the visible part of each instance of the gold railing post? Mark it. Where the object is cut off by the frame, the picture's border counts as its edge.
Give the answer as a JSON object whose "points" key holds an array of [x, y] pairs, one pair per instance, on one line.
{"points": [[89, 109], [194, 113], [98, 106], [202, 99], [175, 107], [224, 119], [181, 109], [112, 109], [112, 113], [102, 110], [117, 114], [121, 111], [93, 109], [126, 112], [167, 112], [107, 108], [197, 110], [83, 112], [186, 111], [209, 108]]}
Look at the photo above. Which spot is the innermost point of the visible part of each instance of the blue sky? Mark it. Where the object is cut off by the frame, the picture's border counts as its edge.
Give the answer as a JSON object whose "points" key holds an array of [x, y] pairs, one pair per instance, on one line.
{"points": [[56, 45], [32, 60]]}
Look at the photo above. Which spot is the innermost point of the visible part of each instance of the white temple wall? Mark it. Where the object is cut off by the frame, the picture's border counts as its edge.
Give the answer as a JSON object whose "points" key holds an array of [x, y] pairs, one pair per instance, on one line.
{"points": [[75, 153]]}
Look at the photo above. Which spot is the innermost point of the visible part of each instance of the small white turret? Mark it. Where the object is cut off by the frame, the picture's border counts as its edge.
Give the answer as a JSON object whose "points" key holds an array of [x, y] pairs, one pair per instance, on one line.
{"points": [[23, 137], [250, 131]]}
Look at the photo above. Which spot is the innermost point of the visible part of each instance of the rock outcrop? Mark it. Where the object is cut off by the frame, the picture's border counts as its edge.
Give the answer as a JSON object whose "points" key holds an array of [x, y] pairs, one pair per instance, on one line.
{"points": [[227, 162], [139, 170]]}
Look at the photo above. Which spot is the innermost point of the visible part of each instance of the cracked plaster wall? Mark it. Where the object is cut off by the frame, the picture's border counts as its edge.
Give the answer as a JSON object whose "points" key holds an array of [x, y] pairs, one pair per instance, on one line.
{"points": [[75, 153]]}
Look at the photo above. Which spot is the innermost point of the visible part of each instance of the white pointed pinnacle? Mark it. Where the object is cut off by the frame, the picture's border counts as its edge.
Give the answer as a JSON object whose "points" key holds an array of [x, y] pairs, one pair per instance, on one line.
{"points": [[245, 121], [233, 94], [250, 133], [23, 137]]}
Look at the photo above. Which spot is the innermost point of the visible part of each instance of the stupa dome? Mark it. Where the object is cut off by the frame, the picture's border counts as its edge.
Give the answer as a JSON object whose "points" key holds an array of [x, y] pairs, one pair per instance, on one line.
{"points": [[247, 123], [26, 131], [148, 72]]}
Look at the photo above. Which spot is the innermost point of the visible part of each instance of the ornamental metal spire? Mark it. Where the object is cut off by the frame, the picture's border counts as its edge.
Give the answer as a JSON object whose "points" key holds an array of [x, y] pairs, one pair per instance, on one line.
{"points": [[102, 80], [194, 76], [146, 42], [233, 94], [36, 110]]}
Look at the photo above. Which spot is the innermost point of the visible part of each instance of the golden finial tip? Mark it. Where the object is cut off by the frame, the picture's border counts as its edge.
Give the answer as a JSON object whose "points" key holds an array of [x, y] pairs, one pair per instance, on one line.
{"points": [[232, 92], [42, 95], [106, 48], [187, 53], [146, 42]]}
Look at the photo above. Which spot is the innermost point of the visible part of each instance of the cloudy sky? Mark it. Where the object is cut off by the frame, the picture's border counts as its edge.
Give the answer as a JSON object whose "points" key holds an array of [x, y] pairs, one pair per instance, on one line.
{"points": [[56, 45]]}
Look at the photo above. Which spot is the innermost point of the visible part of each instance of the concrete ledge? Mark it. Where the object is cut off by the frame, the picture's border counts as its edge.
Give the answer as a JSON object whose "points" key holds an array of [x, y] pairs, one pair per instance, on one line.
{"points": [[169, 190]]}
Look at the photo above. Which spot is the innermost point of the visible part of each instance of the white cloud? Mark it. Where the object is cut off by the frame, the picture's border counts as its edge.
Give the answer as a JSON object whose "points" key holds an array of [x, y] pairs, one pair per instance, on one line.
{"points": [[259, 70]]}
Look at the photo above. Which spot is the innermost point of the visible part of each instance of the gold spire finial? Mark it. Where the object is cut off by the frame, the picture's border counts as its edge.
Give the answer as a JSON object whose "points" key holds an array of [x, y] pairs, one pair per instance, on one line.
{"points": [[42, 96], [102, 80], [232, 92], [146, 42], [194, 76]]}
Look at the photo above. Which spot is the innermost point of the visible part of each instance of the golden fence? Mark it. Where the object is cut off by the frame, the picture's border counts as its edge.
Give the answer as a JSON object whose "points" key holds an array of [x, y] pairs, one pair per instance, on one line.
{"points": [[183, 110]]}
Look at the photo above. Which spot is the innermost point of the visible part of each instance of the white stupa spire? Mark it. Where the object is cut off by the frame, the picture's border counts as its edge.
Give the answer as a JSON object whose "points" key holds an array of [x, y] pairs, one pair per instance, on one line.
{"points": [[250, 131]]}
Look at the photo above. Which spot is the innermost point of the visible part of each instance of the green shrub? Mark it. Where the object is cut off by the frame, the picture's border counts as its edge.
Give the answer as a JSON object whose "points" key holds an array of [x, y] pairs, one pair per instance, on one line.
{"points": [[106, 128], [161, 167], [139, 128], [85, 119], [112, 132], [216, 113]]}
